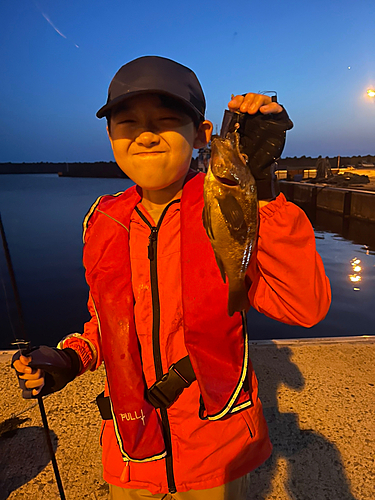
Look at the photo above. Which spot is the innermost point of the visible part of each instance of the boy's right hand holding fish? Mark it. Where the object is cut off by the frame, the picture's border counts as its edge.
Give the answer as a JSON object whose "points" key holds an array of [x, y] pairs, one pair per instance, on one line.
{"points": [[262, 129], [252, 103]]}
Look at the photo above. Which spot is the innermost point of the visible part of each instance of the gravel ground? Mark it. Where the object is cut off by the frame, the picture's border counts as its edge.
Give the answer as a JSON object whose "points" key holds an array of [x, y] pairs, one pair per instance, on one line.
{"points": [[319, 400]]}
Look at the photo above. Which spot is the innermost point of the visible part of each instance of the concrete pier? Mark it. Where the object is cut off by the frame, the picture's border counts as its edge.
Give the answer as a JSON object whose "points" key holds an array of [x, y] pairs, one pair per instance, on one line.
{"points": [[319, 401], [348, 202]]}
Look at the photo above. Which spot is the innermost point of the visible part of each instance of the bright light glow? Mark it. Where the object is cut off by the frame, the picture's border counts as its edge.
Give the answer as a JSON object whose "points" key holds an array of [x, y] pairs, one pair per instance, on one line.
{"points": [[371, 92], [356, 277]]}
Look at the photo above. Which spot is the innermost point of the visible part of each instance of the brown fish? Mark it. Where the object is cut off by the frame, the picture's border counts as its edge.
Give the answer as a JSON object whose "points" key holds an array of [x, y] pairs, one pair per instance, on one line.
{"points": [[230, 215]]}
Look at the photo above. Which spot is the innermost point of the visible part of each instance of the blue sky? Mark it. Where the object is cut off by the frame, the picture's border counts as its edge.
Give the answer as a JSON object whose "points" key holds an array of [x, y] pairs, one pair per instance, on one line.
{"points": [[58, 57]]}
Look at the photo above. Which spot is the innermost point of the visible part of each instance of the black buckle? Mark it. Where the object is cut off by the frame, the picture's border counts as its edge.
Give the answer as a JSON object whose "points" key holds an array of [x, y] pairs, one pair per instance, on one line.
{"points": [[165, 391]]}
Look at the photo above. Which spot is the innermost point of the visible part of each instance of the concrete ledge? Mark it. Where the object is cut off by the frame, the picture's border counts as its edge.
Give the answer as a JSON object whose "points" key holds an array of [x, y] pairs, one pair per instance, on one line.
{"points": [[304, 193], [319, 401], [363, 206], [331, 199], [368, 339], [356, 203]]}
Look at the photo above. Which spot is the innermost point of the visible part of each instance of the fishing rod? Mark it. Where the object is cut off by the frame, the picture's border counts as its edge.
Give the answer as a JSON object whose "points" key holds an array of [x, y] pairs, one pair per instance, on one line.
{"points": [[24, 346]]}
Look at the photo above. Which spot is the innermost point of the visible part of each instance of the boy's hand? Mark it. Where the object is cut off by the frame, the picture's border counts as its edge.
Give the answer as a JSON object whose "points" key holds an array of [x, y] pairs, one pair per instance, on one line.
{"points": [[45, 370], [261, 124], [251, 103], [30, 380]]}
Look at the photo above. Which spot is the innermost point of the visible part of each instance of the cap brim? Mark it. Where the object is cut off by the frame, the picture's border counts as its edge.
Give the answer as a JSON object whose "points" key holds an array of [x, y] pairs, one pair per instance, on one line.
{"points": [[105, 110]]}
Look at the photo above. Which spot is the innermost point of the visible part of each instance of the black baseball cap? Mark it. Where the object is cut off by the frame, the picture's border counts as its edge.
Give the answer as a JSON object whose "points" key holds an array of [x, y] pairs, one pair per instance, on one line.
{"points": [[154, 74]]}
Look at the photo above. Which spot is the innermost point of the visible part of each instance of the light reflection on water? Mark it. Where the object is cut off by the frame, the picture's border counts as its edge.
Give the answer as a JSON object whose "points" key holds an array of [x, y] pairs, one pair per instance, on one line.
{"points": [[42, 217]]}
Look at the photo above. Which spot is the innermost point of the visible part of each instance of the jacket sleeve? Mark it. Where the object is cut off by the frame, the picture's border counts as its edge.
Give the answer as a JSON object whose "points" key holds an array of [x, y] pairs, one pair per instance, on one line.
{"points": [[289, 283], [87, 345]]}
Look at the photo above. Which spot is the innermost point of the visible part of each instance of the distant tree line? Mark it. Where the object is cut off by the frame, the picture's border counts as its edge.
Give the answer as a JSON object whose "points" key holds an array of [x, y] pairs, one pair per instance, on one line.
{"points": [[97, 169], [110, 168]]}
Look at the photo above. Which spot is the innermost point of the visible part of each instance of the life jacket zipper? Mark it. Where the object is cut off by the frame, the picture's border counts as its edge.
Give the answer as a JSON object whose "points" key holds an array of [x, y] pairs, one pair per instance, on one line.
{"points": [[152, 256]]}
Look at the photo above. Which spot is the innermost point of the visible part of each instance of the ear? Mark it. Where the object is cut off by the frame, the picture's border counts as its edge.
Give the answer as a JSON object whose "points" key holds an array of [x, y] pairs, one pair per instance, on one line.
{"points": [[109, 135], [203, 136]]}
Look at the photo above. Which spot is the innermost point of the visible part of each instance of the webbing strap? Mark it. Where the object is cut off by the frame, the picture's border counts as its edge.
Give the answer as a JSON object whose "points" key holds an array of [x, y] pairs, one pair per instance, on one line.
{"points": [[164, 392]]}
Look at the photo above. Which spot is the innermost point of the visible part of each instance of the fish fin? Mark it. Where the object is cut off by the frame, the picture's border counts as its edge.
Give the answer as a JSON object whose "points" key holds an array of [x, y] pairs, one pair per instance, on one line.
{"points": [[221, 267], [238, 299], [207, 222], [234, 216]]}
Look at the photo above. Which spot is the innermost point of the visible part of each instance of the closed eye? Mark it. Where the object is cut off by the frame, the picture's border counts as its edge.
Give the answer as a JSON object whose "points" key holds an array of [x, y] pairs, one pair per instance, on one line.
{"points": [[170, 118]]}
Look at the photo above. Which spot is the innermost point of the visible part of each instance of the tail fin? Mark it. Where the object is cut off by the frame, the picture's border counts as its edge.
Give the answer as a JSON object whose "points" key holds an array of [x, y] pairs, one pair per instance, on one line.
{"points": [[238, 299]]}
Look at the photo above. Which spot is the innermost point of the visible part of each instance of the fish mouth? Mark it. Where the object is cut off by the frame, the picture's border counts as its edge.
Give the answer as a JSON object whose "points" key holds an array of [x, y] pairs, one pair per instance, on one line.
{"points": [[227, 182]]}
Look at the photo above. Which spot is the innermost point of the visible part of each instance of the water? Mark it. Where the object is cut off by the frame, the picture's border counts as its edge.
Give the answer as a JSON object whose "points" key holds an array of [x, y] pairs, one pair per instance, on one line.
{"points": [[42, 217]]}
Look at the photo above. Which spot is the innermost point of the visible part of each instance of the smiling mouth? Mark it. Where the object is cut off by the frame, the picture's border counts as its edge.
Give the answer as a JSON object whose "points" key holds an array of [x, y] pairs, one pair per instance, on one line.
{"points": [[148, 153]]}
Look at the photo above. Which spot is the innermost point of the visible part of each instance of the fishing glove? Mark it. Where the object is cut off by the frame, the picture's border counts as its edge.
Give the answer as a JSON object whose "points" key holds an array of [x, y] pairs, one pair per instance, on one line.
{"points": [[262, 140], [60, 367]]}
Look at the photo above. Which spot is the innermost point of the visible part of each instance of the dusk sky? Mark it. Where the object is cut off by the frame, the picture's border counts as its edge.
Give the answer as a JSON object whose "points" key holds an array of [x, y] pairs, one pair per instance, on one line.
{"points": [[58, 57]]}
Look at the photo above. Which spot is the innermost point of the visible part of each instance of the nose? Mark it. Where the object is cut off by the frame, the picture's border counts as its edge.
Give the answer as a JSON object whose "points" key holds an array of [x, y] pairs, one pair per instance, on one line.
{"points": [[147, 139]]}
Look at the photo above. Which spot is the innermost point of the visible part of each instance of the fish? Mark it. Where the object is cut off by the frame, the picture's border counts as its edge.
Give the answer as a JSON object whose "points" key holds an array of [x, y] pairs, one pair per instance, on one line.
{"points": [[230, 216]]}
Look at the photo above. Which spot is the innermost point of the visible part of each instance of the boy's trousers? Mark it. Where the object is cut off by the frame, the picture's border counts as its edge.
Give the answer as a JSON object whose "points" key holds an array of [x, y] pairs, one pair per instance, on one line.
{"points": [[235, 490]]}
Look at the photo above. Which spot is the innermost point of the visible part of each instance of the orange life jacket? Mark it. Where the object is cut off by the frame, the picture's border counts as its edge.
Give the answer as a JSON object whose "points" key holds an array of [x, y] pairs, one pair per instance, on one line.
{"points": [[193, 319], [216, 344]]}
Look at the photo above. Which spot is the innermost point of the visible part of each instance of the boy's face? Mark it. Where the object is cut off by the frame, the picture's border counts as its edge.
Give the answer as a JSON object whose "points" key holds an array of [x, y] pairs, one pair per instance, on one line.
{"points": [[152, 143]]}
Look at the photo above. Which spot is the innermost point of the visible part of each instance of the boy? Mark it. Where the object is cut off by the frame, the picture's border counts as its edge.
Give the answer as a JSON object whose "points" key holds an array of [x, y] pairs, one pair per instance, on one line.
{"points": [[184, 420]]}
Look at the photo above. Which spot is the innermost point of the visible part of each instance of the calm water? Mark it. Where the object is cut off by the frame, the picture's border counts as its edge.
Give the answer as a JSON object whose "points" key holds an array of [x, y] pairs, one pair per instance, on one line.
{"points": [[42, 217]]}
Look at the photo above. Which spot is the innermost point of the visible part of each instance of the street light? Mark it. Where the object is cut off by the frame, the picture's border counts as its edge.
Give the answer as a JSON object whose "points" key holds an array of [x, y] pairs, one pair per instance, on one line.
{"points": [[371, 92]]}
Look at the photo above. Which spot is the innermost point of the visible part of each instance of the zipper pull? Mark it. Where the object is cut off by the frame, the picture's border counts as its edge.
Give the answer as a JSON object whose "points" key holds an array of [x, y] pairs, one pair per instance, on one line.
{"points": [[125, 476], [152, 239]]}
